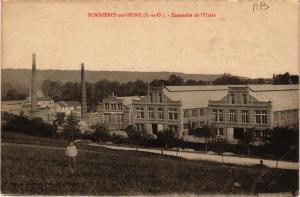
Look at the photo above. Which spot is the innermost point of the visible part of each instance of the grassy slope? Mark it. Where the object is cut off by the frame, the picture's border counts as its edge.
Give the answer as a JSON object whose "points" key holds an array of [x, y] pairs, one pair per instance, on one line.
{"points": [[43, 170]]}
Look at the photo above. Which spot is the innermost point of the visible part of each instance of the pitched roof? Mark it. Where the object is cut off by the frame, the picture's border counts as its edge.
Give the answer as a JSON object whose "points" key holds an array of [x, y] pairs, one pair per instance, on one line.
{"points": [[69, 103], [283, 97], [127, 100], [14, 102], [195, 96]]}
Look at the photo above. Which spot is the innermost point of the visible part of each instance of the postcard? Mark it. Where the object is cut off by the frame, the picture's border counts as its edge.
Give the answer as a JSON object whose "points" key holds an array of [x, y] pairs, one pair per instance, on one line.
{"points": [[150, 98]]}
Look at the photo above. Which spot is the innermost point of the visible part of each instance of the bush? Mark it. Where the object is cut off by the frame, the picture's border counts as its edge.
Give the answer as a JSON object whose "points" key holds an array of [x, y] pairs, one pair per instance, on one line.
{"points": [[99, 133], [35, 127]]}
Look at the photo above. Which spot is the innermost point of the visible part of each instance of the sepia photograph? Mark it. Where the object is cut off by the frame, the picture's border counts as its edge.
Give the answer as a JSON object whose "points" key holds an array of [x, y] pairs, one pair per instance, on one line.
{"points": [[150, 98]]}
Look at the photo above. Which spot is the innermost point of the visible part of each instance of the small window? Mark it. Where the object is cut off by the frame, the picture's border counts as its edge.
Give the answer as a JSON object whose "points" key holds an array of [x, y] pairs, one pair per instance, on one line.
{"points": [[194, 113], [173, 114], [186, 113], [151, 98], [232, 99], [151, 113], [245, 99], [160, 113], [160, 98], [221, 131], [232, 116], [202, 112], [245, 116]]}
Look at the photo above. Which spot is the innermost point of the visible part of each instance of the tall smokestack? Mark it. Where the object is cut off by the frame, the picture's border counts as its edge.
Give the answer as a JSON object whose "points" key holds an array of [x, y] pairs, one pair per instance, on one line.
{"points": [[33, 86], [83, 94]]}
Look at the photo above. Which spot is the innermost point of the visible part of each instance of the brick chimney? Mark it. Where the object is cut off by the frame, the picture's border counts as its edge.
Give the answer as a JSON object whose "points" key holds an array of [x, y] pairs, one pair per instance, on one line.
{"points": [[33, 85], [83, 94]]}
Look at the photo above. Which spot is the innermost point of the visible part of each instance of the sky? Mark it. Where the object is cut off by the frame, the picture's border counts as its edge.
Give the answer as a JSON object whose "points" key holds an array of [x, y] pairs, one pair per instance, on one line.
{"points": [[238, 40]]}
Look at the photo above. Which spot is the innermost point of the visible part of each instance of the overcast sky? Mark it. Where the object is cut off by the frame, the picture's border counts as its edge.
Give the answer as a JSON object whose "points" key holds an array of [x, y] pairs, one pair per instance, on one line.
{"points": [[237, 41]]}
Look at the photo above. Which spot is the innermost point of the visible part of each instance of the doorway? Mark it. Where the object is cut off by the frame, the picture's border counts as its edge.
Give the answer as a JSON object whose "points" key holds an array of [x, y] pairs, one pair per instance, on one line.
{"points": [[154, 128]]}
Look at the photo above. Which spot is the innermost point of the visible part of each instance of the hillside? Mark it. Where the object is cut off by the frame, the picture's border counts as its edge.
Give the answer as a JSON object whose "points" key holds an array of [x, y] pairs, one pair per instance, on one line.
{"points": [[20, 78]]}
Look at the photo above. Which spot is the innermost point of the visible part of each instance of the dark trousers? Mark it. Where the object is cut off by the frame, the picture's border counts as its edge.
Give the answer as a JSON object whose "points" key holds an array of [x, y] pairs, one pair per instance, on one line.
{"points": [[72, 163]]}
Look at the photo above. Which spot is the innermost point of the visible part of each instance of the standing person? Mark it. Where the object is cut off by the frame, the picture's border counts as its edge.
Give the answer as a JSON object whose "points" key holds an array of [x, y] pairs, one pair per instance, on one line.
{"points": [[71, 153]]}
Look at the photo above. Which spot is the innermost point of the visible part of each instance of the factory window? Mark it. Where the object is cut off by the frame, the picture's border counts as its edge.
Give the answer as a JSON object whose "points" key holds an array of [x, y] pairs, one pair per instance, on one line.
{"points": [[151, 113], [120, 107], [106, 106], [202, 112], [221, 131], [113, 106], [245, 98], [245, 116], [173, 114], [232, 99], [218, 115], [151, 98], [194, 113], [160, 113], [139, 112], [261, 117], [218, 131], [160, 98], [232, 116], [185, 113]]}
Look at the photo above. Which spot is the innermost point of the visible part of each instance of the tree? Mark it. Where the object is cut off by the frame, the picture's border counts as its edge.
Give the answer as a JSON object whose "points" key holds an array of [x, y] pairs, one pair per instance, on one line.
{"points": [[285, 78], [220, 144], [59, 119], [228, 80], [99, 132], [202, 132], [71, 128], [159, 83], [281, 140], [19, 124], [53, 89], [166, 136], [247, 139], [191, 82], [175, 80], [134, 136], [22, 124], [39, 128], [13, 94], [6, 116]]}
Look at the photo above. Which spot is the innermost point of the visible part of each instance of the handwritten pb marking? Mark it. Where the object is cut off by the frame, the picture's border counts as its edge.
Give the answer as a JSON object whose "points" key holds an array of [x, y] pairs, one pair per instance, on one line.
{"points": [[261, 6]]}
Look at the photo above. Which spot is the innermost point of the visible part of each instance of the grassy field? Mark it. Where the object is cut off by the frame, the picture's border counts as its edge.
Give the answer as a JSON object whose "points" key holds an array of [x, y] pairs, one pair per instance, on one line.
{"points": [[35, 169]]}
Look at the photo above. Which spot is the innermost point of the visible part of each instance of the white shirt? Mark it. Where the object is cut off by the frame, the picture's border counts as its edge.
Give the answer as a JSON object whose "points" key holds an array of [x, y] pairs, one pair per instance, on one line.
{"points": [[71, 151]]}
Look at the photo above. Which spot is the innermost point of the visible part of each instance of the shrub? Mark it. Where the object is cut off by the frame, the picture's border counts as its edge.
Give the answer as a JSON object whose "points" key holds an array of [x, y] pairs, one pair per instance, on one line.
{"points": [[99, 133], [22, 124]]}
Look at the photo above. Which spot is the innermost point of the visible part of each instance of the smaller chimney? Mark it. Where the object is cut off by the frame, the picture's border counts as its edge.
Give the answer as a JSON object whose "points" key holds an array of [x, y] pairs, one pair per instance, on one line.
{"points": [[83, 94], [33, 92]]}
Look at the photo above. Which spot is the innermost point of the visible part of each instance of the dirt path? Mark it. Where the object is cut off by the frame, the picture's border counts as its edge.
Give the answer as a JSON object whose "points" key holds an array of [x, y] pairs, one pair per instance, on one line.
{"points": [[215, 158]]}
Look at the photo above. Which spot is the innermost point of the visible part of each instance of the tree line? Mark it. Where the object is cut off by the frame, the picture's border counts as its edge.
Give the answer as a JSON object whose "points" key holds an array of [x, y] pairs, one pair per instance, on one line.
{"points": [[281, 142], [70, 91]]}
